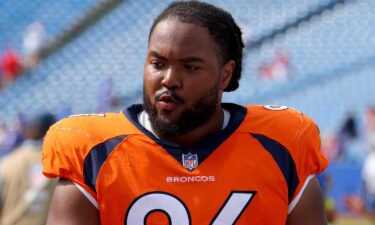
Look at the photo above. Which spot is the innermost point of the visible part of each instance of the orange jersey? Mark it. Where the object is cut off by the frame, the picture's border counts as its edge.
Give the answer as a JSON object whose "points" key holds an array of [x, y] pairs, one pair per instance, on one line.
{"points": [[249, 173]]}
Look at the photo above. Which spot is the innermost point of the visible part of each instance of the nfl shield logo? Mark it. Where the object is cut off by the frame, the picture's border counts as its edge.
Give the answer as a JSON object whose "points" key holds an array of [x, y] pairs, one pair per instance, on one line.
{"points": [[190, 161]]}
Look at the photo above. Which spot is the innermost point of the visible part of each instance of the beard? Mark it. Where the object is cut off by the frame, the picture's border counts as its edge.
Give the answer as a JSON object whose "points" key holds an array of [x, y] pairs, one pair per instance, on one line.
{"points": [[191, 118]]}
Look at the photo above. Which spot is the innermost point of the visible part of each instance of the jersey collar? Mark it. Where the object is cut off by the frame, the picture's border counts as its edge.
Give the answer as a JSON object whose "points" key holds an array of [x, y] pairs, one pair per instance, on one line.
{"points": [[203, 149]]}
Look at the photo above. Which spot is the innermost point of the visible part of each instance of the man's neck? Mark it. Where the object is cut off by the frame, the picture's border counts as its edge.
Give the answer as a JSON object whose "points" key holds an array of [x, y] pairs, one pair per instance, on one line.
{"points": [[216, 123]]}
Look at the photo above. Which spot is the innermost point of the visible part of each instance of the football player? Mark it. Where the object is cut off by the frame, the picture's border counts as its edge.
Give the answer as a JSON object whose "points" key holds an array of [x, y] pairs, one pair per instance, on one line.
{"points": [[183, 156]]}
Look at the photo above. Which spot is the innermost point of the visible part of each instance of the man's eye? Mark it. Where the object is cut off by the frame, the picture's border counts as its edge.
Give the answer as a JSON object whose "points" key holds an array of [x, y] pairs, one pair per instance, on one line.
{"points": [[157, 65], [191, 67]]}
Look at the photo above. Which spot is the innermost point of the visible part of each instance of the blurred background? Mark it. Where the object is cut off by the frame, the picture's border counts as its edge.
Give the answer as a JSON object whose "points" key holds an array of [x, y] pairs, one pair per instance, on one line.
{"points": [[84, 56]]}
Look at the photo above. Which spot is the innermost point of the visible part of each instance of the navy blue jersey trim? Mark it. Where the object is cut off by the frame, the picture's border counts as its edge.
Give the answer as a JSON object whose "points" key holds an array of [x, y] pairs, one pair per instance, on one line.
{"points": [[204, 148], [95, 159], [283, 159]]}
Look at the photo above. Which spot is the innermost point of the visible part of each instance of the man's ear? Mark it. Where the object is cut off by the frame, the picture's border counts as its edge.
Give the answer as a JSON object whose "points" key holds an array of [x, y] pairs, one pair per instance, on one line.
{"points": [[226, 74]]}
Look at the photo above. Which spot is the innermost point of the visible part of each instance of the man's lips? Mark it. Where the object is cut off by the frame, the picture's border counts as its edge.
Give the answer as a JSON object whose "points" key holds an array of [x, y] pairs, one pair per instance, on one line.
{"points": [[168, 96], [168, 100]]}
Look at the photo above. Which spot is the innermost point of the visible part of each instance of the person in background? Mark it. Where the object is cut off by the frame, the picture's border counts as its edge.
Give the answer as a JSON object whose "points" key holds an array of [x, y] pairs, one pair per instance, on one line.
{"points": [[368, 168], [11, 134], [364, 202], [33, 42], [3, 136], [25, 191], [346, 134], [368, 176], [10, 65]]}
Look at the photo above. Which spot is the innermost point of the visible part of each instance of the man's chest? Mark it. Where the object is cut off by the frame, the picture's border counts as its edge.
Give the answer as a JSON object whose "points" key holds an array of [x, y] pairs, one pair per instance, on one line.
{"points": [[235, 183]]}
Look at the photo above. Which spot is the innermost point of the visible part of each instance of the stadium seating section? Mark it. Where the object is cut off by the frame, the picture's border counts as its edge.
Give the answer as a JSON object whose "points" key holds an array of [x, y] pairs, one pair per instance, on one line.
{"points": [[330, 56], [15, 16]]}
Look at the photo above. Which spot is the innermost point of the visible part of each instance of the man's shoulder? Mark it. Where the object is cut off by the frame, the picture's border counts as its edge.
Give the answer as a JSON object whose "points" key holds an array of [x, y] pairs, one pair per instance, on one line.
{"points": [[276, 113], [277, 122], [280, 128], [86, 119], [91, 125], [267, 114], [273, 110], [85, 130], [71, 139]]}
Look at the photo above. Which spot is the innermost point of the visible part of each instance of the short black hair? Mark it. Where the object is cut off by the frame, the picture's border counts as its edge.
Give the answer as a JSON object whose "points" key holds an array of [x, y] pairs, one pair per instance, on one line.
{"points": [[220, 25]]}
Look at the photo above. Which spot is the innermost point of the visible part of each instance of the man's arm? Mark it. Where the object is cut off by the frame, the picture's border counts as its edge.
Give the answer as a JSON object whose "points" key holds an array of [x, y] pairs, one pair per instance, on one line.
{"points": [[70, 207], [310, 208]]}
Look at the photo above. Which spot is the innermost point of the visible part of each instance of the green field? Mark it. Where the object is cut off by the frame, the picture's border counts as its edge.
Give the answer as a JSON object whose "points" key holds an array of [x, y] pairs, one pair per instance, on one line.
{"points": [[352, 221]]}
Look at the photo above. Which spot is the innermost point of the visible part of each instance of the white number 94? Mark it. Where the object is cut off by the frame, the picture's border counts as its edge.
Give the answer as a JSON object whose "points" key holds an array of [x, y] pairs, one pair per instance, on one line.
{"points": [[178, 213]]}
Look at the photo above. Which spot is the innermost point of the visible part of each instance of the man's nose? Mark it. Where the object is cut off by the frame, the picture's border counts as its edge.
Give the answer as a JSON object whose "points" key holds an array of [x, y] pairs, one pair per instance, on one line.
{"points": [[171, 79]]}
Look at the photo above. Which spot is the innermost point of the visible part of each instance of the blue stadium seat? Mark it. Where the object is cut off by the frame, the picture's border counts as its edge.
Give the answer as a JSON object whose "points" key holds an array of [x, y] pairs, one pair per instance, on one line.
{"points": [[55, 16]]}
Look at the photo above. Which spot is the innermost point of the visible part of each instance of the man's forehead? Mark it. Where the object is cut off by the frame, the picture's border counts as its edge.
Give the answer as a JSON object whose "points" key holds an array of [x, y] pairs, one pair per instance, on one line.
{"points": [[173, 28], [172, 35]]}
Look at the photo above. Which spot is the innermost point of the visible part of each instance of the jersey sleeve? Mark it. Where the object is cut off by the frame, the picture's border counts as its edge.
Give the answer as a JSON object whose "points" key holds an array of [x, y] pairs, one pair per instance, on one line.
{"points": [[63, 154], [309, 158]]}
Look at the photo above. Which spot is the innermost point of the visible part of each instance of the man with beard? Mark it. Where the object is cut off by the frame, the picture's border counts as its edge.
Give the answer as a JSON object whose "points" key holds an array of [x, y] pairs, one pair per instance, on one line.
{"points": [[184, 157]]}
